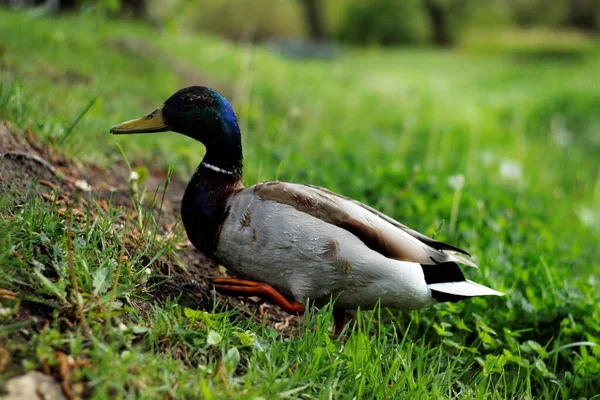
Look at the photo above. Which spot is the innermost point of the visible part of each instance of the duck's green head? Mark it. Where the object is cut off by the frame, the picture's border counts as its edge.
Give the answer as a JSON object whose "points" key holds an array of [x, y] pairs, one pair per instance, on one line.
{"points": [[196, 111], [200, 113]]}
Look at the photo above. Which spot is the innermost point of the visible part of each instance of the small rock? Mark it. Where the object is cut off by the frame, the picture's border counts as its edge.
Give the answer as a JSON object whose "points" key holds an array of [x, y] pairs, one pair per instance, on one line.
{"points": [[33, 386]]}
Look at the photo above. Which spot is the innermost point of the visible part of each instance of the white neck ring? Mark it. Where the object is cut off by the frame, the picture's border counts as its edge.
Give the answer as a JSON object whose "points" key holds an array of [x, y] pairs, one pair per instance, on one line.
{"points": [[216, 169]]}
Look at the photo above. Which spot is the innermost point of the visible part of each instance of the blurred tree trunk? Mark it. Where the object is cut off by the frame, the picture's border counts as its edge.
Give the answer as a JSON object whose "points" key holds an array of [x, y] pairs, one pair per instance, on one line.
{"points": [[582, 14], [313, 18], [137, 8], [438, 16]]}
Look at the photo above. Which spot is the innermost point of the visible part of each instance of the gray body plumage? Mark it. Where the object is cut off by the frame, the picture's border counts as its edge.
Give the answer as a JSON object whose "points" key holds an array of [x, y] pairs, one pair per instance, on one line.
{"points": [[306, 257]]}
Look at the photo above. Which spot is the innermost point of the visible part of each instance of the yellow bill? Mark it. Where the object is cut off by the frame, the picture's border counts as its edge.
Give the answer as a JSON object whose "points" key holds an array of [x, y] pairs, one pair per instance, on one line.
{"points": [[152, 122]]}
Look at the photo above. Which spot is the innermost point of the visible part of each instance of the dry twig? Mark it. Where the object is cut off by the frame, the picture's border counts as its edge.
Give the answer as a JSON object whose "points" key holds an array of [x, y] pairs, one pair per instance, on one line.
{"points": [[65, 364], [4, 359], [6, 294]]}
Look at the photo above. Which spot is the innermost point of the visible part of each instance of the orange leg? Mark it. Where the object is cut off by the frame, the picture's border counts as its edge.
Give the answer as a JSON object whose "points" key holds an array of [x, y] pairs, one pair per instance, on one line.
{"points": [[243, 287]]}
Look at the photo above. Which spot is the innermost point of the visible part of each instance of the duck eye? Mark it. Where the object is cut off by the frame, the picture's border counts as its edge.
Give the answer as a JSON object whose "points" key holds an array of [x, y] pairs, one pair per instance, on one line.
{"points": [[188, 101]]}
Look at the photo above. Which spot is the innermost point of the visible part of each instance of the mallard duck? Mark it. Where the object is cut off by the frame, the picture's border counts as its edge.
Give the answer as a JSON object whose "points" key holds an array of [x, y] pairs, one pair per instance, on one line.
{"points": [[290, 242]]}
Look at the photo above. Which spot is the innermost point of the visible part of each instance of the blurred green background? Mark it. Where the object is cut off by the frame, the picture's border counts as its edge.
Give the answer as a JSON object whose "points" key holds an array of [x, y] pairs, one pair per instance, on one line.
{"points": [[477, 122], [375, 22]]}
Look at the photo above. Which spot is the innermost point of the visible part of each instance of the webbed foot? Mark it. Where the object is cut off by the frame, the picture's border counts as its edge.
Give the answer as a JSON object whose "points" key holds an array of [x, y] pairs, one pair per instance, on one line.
{"points": [[242, 287]]}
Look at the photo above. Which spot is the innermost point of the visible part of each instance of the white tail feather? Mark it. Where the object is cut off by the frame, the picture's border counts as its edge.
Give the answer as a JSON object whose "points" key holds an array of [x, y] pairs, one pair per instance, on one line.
{"points": [[464, 288]]}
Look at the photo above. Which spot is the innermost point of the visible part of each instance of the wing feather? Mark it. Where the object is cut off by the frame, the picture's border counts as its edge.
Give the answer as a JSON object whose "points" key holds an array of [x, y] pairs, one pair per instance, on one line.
{"points": [[436, 244], [378, 231]]}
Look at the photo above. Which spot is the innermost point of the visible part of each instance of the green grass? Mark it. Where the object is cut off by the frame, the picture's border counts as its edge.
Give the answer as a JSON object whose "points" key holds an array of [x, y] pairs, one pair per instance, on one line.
{"points": [[391, 128]]}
